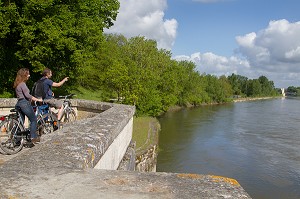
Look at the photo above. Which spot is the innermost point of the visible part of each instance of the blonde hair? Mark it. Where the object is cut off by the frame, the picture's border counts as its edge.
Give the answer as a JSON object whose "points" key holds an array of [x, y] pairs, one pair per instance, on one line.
{"points": [[21, 76]]}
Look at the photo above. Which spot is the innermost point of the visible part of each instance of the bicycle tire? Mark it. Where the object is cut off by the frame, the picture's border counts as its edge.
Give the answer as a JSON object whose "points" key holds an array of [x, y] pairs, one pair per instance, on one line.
{"points": [[47, 123], [1, 128], [69, 116], [72, 116], [9, 142]]}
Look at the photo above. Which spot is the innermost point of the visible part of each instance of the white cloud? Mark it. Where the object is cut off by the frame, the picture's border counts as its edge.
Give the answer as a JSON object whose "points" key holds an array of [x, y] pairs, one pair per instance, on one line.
{"points": [[145, 18], [210, 63], [274, 49], [273, 52]]}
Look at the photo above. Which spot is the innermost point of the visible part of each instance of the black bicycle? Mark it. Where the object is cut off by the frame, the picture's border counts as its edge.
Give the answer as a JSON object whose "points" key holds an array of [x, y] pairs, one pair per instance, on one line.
{"points": [[13, 135]]}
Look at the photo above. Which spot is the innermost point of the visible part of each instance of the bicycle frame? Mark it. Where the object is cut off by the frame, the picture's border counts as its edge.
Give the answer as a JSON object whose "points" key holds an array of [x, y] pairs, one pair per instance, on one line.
{"points": [[13, 132], [46, 120], [68, 113], [41, 109]]}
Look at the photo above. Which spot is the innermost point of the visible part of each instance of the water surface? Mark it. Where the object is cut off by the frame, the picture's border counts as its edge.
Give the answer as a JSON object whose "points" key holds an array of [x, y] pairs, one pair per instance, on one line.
{"points": [[256, 142]]}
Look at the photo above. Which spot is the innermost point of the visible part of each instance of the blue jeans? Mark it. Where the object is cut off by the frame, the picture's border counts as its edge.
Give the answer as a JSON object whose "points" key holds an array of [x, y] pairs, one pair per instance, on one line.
{"points": [[26, 109]]}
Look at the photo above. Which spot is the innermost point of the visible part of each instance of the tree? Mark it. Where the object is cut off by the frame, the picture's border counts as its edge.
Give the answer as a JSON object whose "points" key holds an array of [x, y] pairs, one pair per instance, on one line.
{"points": [[254, 89], [61, 35], [227, 90], [238, 84], [268, 88]]}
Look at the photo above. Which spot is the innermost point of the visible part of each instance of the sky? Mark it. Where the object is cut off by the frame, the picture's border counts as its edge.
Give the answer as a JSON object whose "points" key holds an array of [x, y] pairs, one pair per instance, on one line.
{"points": [[246, 37]]}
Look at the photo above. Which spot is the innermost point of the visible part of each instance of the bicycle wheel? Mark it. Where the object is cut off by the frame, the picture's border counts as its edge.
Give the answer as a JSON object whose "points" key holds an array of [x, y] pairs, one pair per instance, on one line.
{"points": [[69, 116], [72, 116], [10, 143], [47, 123]]}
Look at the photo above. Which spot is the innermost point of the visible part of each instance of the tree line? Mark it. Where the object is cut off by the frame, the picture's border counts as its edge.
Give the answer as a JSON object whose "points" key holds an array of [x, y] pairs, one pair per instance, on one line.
{"points": [[67, 37], [293, 91]]}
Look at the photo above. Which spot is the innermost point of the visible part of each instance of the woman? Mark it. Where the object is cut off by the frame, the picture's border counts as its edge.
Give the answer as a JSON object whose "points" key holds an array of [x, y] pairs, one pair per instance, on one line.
{"points": [[24, 101]]}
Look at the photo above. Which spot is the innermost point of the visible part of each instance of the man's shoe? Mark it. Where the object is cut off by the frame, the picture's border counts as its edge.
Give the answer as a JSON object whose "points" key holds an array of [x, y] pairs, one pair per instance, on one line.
{"points": [[28, 145], [36, 140]]}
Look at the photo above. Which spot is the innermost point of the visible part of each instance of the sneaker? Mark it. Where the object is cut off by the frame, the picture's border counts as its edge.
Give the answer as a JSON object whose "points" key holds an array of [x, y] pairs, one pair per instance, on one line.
{"points": [[28, 145], [36, 140], [55, 127]]}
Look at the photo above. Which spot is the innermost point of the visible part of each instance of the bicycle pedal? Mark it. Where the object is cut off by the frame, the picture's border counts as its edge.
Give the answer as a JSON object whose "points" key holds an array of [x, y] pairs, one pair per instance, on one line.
{"points": [[23, 132]]}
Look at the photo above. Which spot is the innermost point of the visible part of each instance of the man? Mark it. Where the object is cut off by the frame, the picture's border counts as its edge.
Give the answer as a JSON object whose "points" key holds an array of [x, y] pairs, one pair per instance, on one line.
{"points": [[49, 97]]}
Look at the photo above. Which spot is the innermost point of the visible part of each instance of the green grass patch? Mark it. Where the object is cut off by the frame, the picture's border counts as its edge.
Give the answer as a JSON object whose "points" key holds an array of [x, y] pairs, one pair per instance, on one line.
{"points": [[6, 95], [145, 132], [82, 93]]}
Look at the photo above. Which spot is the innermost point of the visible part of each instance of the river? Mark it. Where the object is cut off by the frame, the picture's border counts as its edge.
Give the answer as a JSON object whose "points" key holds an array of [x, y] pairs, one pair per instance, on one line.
{"points": [[255, 142]]}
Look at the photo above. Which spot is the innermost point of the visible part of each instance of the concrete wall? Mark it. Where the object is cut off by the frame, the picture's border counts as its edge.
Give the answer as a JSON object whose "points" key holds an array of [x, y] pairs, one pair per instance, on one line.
{"points": [[100, 137], [115, 152], [61, 166]]}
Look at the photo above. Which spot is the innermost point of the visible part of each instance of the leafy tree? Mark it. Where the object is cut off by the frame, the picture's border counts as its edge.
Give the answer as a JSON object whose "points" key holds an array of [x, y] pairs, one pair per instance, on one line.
{"points": [[254, 89], [61, 35], [192, 83], [227, 90], [238, 83]]}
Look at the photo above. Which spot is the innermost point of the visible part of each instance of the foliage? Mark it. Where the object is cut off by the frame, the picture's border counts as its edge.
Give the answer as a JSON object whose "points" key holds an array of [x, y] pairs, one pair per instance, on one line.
{"points": [[260, 87], [293, 91], [67, 36], [61, 35]]}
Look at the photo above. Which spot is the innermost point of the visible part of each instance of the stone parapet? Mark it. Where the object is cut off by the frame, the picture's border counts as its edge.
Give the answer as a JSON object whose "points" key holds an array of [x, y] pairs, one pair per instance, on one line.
{"points": [[83, 144], [62, 165]]}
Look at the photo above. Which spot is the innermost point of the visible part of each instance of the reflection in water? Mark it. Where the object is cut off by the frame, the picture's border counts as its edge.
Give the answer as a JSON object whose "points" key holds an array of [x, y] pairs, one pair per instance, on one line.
{"points": [[257, 143]]}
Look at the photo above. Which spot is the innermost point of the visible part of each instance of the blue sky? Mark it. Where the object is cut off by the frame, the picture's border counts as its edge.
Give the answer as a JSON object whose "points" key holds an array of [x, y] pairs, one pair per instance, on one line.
{"points": [[245, 37]]}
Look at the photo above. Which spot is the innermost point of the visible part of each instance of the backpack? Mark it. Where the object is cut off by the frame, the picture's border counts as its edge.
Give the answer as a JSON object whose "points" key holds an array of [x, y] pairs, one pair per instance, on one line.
{"points": [[38, 89]]}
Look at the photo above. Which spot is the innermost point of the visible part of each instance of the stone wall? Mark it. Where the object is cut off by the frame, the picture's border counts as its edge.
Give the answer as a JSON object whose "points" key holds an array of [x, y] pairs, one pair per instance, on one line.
{"points": [[100, 138], [61, 166], [146, 162]]}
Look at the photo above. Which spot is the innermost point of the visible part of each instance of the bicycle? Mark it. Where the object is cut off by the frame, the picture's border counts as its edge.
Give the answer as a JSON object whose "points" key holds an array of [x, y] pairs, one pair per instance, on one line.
{"points": [[46, 119], [69, 114], [13, 135]]}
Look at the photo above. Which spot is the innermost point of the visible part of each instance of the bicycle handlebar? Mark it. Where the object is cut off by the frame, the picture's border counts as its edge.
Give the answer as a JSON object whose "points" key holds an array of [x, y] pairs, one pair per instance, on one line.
{"points": [[35, 103], [67, 96]]}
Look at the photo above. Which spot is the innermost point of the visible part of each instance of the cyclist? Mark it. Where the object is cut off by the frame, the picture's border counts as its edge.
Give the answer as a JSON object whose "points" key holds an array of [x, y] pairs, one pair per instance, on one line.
{"points": [[49, 97], [24, 99]]}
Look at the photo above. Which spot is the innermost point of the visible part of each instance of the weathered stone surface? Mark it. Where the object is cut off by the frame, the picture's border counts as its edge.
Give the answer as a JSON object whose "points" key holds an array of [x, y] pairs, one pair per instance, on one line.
{"points": [[128, 161], [91, 183], [147, 161], [61, 166]]}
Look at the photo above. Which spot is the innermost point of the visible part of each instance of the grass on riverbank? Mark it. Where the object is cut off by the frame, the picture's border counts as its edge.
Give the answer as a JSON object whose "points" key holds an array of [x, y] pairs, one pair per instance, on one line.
{"points": [[82, 93], [145, 132]]}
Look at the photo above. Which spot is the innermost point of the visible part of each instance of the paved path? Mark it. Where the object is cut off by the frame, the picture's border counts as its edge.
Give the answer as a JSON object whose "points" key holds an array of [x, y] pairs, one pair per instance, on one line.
{"points": [[4, 158]]}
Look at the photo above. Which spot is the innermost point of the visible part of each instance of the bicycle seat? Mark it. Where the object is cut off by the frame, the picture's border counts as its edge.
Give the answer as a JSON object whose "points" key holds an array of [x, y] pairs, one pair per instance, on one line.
{"points": [[16, 109], [13, 110]]}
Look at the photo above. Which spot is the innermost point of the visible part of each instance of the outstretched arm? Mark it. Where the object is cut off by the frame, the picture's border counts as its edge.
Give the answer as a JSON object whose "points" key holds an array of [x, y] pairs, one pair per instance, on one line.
{"points": [[55, 84]]}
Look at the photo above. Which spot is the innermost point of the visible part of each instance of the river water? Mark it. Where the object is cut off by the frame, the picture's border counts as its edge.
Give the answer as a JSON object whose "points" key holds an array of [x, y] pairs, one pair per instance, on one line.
{"points": [[255, 142]]}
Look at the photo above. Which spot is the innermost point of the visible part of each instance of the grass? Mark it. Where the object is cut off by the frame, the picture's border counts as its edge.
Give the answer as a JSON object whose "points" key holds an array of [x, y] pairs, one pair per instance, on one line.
{"points": [[82, 93], [145, 132]]}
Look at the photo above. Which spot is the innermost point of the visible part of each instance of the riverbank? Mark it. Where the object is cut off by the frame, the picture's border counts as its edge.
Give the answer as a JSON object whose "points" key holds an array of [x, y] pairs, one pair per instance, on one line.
{"points": [[253, 98], [146, 129]]}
